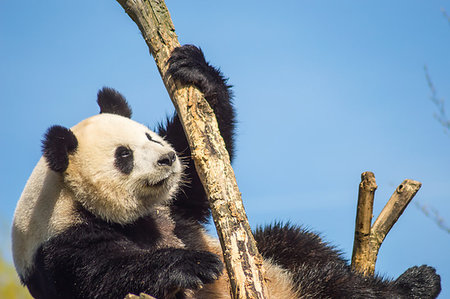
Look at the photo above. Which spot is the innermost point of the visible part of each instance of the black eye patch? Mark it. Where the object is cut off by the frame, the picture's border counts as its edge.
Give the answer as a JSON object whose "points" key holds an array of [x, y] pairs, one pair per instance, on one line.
{"points": [[124, 160], [151, 139]]}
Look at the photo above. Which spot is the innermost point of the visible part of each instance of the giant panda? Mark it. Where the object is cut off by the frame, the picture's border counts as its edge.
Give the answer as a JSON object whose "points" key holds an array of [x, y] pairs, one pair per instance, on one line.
{"points": [[114, 208]]}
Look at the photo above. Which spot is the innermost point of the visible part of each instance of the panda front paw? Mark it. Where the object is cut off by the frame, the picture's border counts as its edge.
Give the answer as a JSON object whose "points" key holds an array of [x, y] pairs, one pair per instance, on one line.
{"points": [[187, 65], [420, 282], [191, 270]]}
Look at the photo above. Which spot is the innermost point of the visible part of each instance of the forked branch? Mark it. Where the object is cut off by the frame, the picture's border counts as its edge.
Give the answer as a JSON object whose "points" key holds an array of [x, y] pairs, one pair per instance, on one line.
{"points": [[368, 238]]}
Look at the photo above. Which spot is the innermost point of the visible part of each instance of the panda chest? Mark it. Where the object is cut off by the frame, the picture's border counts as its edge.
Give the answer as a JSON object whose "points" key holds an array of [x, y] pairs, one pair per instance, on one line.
{"points": [[153, 231]]}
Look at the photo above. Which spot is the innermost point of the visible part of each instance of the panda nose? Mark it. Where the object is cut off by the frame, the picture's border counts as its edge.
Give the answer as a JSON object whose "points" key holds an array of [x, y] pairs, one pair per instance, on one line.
{"points": [[167, 159]]}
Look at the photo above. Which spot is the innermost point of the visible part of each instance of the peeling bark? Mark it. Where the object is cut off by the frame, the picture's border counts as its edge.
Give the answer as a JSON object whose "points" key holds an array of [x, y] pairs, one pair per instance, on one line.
{"points": [[242, 260]]}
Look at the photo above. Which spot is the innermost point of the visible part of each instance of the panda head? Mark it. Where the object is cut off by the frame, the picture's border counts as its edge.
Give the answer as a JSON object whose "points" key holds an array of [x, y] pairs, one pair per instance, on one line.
{"points": [[115, 167]]}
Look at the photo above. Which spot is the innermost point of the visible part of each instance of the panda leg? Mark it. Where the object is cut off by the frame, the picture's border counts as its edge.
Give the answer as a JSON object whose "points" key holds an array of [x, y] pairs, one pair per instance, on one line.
{"points": [[319, 271], [188, 66], [335, 280]]}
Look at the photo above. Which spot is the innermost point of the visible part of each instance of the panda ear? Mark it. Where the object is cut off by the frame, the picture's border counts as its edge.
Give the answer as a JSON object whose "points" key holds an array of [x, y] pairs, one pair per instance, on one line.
{"points": [[111, 101], [57, 144]]}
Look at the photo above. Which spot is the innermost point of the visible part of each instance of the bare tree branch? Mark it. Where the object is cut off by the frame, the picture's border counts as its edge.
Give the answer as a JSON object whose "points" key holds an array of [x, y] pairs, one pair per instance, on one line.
{"points": [[394, 208], [242, 260], [434, 215], [444, 12], [364, 214], [441, 114], [442, 118], [368, 239]]}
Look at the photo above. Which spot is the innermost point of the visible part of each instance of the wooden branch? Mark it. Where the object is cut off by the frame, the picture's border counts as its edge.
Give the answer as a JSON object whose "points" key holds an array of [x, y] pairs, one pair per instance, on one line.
{"points": [[141, 296], [242, 260], [394, 208], [364, 214], [368, 239]]}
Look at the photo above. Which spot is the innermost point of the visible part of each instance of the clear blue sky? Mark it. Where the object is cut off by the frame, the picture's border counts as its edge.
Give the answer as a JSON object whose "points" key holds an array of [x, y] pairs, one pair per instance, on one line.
{"points": [[324, 91]]}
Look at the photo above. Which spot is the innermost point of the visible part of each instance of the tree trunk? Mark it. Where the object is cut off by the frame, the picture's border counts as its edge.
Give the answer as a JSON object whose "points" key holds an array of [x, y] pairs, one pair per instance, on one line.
{"points": [[242, 260]]}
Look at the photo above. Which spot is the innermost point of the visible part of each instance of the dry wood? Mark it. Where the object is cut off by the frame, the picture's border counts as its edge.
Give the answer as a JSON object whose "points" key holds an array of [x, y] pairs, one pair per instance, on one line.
{"points": [[364, 214], [368, 239], [141, 296], [242, 260], [394, 209]]}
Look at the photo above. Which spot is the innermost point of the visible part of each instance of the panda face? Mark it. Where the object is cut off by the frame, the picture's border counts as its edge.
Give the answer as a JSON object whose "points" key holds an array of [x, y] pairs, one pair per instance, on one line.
{"points": [[120, 169]]}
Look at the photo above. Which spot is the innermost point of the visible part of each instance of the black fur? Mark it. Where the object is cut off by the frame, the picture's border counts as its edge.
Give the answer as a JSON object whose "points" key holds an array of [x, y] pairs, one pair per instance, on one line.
{"points": [[188, 66], [57, 144], [323, 273], [291, 246], [420, 282], [123, 159], [151, 139], [110, 260], [111, 101]]}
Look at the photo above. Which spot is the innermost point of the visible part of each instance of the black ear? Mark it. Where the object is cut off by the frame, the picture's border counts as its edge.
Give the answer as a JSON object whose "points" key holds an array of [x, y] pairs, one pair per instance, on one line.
{"points": [[111, 101], [57, 144]]}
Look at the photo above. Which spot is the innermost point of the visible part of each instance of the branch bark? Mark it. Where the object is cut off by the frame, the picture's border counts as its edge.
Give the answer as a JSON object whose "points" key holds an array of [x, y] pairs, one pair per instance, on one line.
{"points": [[364, 214], [368, 239], [141, 296], [242, 260]]}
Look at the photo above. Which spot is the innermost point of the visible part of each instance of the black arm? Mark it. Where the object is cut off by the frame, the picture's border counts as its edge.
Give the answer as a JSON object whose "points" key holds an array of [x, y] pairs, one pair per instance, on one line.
{"points": [[105, 256], [187, 65]]}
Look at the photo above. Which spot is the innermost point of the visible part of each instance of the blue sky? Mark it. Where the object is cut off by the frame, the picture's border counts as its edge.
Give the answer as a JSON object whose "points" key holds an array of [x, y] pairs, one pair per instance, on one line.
{"points": [[324, 90]]}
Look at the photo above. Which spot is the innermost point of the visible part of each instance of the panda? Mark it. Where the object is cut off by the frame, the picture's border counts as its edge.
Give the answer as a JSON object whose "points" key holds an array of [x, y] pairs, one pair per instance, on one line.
{"points": [[114, 208]]}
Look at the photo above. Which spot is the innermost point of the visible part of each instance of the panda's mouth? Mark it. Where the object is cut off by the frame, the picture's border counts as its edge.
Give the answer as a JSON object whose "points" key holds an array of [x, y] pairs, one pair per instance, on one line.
{"points": [[156, 184]]}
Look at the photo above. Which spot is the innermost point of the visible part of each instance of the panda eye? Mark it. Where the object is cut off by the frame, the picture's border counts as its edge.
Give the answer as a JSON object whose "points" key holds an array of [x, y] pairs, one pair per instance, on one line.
{"points": [[124, 159], [125, 153], [151, 139]]}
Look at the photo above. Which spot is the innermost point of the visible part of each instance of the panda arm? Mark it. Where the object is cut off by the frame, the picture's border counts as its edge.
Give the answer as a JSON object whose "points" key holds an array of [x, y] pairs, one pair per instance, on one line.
{"points": [[98, 262], [188, 66]]}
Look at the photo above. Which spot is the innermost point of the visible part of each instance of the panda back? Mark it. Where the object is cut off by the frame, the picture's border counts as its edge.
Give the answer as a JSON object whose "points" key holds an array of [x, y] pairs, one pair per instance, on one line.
{"points": [[44, 209]]}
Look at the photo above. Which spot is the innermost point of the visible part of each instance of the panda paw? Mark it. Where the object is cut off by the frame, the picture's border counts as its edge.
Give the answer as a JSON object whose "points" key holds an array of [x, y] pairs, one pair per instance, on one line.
{"points": [[193, 269], [420, 282], [187, 65]]}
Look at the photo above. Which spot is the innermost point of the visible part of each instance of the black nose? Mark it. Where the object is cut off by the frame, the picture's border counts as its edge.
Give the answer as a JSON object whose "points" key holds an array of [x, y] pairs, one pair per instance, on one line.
{"points": [[167, 159]]}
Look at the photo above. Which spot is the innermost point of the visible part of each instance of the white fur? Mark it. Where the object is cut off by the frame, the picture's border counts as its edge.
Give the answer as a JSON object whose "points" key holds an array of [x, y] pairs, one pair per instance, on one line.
{"points": [[47, 204], [45, 209], [98, 183]]}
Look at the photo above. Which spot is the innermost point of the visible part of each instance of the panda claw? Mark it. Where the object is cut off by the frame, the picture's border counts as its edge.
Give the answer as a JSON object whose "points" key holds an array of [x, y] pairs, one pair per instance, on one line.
{"points": [[187, 65], [195, 269]]}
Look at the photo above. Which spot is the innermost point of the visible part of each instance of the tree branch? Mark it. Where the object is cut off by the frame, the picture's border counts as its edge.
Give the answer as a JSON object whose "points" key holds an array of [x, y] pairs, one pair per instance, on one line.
{"points": [[368, 239], [364, 214], [242, 260], [394, 209], [434, 215], [141, 296]]}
